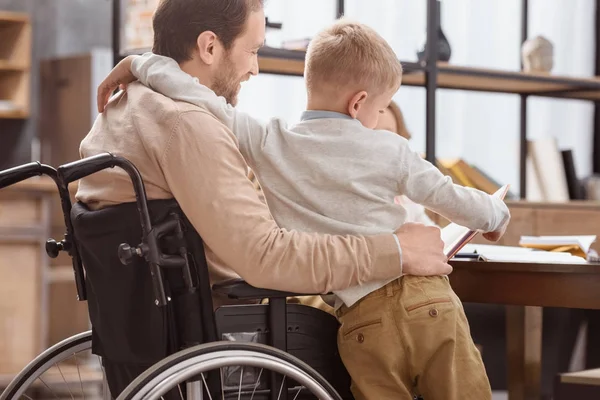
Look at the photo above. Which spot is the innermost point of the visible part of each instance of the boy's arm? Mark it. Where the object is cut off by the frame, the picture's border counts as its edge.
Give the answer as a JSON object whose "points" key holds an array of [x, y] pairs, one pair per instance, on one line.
{"points": [[423, 183], [164, 75]]}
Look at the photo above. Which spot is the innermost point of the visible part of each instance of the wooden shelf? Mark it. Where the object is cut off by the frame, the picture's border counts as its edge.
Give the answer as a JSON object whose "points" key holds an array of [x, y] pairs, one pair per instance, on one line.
{"points": [[8, 16], [490, 80], [11, 66], [291, 63], [288, 62], [14, 114], [15, 62]]}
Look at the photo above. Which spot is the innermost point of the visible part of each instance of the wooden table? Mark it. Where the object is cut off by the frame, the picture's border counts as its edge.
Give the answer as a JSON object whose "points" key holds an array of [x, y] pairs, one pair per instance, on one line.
{"points": [[525, 288]]}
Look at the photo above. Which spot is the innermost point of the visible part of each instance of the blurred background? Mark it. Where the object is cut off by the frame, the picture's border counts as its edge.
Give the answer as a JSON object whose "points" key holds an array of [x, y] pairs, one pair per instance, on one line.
{"points": [[515, 102]]}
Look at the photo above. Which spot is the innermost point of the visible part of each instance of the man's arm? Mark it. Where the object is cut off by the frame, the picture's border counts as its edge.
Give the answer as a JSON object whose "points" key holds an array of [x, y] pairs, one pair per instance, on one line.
{"points": [[207, 176], [423, 183], [163, 75]]}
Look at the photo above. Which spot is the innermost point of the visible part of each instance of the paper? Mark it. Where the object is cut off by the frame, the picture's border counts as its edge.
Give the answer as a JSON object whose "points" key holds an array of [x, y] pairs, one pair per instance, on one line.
{"points": [[576, 245], [456, 236], [488, 249], [518, 254], [536, 256]]}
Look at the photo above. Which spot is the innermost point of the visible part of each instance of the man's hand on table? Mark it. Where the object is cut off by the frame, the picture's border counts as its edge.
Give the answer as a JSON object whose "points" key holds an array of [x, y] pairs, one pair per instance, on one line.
{"points": [[422, 250]]}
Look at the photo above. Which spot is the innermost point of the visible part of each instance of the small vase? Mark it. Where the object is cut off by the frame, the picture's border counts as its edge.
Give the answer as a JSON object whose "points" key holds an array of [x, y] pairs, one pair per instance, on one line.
{"points": [[444, 50]]}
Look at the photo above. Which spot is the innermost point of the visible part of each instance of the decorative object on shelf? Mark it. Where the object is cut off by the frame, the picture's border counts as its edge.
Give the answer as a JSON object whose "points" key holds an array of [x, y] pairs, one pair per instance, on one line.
{"points": [[272, 25], [538, 55], [444, 50]]}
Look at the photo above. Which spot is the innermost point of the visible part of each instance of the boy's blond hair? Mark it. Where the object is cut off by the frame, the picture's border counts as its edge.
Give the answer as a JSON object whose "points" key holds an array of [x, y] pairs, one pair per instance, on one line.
{"points": [[351, 54]]}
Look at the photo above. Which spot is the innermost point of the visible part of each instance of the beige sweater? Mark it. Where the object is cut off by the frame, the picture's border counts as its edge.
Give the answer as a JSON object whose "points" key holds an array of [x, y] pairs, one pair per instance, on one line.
{"points": [[183, 151]]}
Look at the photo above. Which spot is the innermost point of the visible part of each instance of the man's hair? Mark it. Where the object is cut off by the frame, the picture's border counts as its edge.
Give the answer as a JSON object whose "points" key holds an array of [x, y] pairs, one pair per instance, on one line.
{"points": [[351, 54], [178, 23]]}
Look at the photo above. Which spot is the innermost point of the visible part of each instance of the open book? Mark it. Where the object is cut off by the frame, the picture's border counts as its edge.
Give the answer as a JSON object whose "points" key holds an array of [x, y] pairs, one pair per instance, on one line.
{"points": [[456, 236]]}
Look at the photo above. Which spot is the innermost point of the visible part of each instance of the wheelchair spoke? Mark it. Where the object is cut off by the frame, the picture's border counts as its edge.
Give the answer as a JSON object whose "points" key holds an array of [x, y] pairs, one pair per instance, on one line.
{"points": [[48, 387], [64, 380], [79, 373], [257, 383], [222, 385], [281, 388], [298, 394], [206, 386], [25, 395], [241, 380], [180, 392]]}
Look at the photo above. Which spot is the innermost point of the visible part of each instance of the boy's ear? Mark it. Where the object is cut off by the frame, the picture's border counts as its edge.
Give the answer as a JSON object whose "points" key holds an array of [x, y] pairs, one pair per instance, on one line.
{"points": [[206, 46], [356, 102]]}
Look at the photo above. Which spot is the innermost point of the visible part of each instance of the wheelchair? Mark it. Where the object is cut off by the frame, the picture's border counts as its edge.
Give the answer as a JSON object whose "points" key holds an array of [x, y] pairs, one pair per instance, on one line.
{"points": [[142, 270]]}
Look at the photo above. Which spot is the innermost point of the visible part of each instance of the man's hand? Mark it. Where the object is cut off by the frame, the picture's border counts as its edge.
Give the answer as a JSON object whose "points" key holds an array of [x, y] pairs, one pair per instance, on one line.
{"points": [[422, 250], [119, 77]]}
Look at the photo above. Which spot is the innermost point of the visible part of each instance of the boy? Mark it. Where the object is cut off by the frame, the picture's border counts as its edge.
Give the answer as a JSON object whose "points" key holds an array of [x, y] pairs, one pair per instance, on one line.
{"points": [[333, 173]]}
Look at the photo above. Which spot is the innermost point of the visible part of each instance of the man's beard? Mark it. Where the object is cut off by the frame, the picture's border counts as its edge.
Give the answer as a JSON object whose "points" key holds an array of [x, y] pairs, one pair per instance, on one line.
{"points": [[226, 83]]}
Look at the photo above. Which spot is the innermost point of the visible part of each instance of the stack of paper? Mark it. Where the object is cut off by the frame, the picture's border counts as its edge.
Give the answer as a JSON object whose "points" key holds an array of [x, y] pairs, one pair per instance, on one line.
{"points": [[575, 245], [518, 254]]}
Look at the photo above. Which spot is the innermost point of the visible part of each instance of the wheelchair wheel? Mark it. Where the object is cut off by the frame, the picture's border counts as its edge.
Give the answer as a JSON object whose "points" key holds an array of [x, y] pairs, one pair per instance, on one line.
{"points": [[65, 370], [244, 369]]}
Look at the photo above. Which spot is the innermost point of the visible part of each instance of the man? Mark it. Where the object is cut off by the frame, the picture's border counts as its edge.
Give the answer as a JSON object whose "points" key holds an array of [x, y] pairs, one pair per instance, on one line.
{"points": [[183, 151]]}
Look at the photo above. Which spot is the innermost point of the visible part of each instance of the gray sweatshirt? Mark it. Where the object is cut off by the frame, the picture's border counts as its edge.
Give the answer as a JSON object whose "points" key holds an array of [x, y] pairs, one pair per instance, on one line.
{"points": [[329, 173]]}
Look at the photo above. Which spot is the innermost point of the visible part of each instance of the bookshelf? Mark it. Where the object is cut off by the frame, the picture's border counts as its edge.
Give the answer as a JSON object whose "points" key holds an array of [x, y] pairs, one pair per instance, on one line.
{"points": [[15, 63], [432, 75]]}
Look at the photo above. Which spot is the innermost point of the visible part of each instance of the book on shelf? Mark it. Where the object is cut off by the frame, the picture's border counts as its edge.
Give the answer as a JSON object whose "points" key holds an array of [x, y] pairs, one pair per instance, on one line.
{"points": [[533, 185], [548, 171], [455, 236], [465, 174], [574, 186]]}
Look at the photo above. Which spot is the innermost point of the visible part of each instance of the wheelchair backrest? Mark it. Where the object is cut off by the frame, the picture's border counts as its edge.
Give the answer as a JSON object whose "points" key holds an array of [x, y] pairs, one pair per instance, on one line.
{"points": [[128, 325]]}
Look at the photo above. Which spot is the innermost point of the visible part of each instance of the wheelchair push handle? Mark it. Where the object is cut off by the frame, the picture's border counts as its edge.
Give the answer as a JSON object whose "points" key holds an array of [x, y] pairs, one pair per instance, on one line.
{"points": [[76, 170], [17, 174]]}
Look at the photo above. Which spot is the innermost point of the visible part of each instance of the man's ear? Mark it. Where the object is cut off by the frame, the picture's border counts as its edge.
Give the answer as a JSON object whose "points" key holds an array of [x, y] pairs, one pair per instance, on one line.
{"points": [[356, 102], [206, 46]]}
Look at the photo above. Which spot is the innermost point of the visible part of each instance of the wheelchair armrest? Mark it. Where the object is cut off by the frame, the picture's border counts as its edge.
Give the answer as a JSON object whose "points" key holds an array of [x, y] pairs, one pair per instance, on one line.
{"points": [[239, 289]]}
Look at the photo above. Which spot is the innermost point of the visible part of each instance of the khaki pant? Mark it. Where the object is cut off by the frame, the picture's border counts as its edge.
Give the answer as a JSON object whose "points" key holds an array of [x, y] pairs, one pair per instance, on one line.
{"points": [[409, 338]]}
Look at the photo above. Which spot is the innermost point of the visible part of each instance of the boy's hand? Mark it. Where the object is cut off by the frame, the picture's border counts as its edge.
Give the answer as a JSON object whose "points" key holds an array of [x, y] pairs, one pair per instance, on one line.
{"points": [[496, 235], [119, 77], [422, 250]]}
